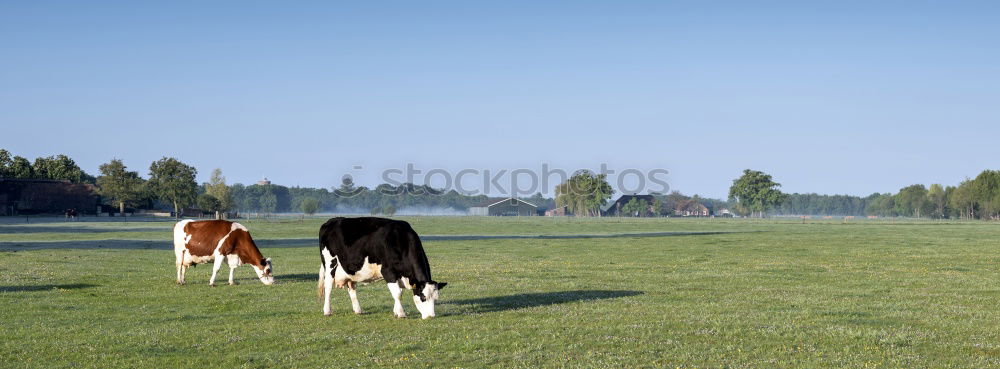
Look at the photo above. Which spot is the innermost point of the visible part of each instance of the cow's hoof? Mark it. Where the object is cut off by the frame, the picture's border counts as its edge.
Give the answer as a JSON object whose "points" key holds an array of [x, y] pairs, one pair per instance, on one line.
{"points": [[359, 312], [180, 283], [399, 316], [327, 314], [232, 283], [212, 284]]}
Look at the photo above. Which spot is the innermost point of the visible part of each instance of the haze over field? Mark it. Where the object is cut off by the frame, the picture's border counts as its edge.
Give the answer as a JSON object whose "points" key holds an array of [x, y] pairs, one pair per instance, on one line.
{"points": [[848, 97]]}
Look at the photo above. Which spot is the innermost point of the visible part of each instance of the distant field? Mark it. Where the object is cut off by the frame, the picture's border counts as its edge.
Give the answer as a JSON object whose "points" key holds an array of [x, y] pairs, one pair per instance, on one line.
{"points": [[650, 293]]}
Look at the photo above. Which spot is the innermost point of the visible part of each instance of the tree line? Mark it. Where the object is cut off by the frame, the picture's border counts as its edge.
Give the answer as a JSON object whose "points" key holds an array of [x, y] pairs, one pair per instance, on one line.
{"points": [[384, 199], [756, 194], [977, 198], [170, 181], [171, 184], [59, 167]]}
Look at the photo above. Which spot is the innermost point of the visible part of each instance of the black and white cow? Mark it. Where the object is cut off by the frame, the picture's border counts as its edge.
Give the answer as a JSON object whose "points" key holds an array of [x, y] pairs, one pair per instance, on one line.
{"points": [[368, 249]]}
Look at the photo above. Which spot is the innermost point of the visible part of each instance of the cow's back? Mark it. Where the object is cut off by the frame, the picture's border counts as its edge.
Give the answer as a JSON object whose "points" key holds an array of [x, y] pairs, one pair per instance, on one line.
{"points": [[202, 237]]}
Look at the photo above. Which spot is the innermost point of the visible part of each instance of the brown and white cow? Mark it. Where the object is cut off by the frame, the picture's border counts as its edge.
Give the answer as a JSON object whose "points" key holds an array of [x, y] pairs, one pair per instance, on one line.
{"points": [[197, 242]]}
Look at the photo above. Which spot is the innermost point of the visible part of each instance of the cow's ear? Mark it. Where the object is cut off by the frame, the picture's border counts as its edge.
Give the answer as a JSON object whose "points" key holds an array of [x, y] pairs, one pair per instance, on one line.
{"points": [[441, 285]]}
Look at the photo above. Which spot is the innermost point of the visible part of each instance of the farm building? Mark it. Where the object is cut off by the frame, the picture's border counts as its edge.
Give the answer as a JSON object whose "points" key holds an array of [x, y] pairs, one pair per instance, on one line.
{"points": [[614, 208], [692, 208], [46, 196], [558, 212], [504, 207]]}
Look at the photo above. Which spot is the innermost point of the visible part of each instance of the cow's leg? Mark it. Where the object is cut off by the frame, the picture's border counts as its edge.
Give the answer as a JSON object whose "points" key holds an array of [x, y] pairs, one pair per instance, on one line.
{"points": [[179, 260], [353, 291], [184, 269], [234, 262], [215, 268], [327, 290], [396, 291]]}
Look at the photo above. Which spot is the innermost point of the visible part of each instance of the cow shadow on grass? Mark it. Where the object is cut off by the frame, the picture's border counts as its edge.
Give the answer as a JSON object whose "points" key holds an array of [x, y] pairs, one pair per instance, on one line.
{"points": [[46, 287], [300, 277], [530, 300], [565, 236]]}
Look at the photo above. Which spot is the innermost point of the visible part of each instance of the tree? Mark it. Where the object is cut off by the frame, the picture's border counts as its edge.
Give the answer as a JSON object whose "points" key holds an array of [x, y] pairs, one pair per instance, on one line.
{"points": [[5, 164], [217, 187], [208, 202], [58, 167], [584, 193], [880, 205], [815, 204], [994, 207], [937, 197], [657, 207], [986, 193], [268, 201], [119, 185], [635, 208], [20, 168], [912, 201], [755, 192], [174, 182], [673, 202], [310, 205], [389, 210], [540, 201], [963, 201]]}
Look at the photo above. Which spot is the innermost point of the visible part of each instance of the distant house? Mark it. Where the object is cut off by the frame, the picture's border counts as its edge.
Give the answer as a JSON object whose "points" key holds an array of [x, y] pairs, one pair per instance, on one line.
{"points": [[46, 196], [504, 207], [691, 208], [560, 211], [614, 208]]}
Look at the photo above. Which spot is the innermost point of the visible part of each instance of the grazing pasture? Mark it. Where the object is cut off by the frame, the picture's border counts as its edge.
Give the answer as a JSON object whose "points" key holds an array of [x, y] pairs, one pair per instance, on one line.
{"points": [[536, 292]]}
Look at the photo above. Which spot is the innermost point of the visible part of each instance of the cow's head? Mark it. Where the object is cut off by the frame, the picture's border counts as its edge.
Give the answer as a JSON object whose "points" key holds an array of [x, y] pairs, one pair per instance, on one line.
{"points": [[264, 271], [424, 296]]}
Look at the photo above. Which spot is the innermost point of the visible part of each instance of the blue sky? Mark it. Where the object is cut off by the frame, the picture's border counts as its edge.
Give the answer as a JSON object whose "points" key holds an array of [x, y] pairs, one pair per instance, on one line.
{"points": [[832, 97]]}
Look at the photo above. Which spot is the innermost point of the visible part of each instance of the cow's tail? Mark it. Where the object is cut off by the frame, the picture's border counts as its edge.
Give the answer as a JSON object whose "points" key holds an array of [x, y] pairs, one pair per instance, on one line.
{"points": [[323, 273]]}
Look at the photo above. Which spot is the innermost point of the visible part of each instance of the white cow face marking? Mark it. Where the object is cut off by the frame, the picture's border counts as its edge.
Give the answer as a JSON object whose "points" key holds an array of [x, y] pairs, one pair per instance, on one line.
{"points": [[265, 273], [424, 296]]}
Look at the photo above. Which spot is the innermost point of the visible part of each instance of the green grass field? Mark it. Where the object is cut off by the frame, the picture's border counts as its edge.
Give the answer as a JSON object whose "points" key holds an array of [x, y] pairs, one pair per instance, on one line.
{"points": [[698, 293]]}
